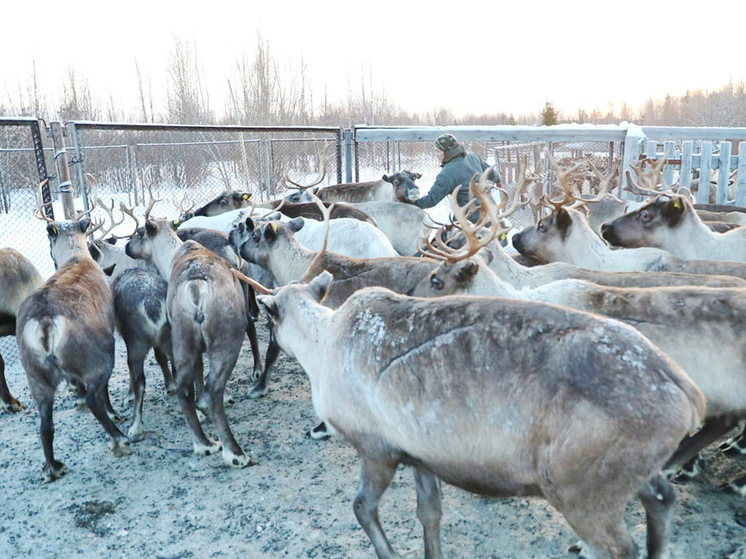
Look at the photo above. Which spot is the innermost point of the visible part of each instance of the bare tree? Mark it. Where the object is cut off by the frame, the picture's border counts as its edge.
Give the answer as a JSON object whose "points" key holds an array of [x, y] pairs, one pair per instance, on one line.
{"points": [[77, 100], [188, 101]]}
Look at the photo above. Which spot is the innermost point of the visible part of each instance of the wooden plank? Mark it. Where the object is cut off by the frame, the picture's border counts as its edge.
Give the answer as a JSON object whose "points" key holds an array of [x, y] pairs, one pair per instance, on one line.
{"points": [[669, 152], [723, 172], [685, 172], [705, 172], [741, 177]]}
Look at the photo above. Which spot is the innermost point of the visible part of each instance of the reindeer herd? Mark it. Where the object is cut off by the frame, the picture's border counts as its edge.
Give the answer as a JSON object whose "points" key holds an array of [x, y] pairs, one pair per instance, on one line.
{"points": [[589, 379]]}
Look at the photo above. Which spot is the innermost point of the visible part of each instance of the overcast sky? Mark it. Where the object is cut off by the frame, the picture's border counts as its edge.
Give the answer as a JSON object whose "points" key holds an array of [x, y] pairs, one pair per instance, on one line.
{"points": [[470, 57]]}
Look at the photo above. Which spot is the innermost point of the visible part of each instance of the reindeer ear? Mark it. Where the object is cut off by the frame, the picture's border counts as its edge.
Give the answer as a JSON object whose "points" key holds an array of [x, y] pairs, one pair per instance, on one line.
{"points": [[269, 303], [84, 224], [296, 224], [320, 284], [110, 270], [467, 271], [150, 228], [53, 230], [387, 178], [563, 219], [270, 231]]}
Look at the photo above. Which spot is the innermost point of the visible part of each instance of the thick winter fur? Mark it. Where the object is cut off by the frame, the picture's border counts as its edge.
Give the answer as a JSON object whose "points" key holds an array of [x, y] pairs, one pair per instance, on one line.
{"points": [[207, 311], [518, 275], [273, 246], [65, 331], [18, 278], [404, 224], [701, 328], [223, 202], [671, 223], [578, 409], [113, 260], [397, 187], [565, 236], [142, 321]]}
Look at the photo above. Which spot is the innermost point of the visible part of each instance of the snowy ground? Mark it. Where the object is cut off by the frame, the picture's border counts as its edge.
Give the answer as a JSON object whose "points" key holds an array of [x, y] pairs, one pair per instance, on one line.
{"points": [[163, 502]]}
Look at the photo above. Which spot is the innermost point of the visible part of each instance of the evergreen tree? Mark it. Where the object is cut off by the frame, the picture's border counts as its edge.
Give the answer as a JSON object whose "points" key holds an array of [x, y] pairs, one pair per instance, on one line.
{"points": [[549, 115]]}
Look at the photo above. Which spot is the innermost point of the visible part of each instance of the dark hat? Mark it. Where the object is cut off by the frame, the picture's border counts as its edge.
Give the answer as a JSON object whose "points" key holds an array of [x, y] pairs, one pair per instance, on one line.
{"points": [[446, 142]]}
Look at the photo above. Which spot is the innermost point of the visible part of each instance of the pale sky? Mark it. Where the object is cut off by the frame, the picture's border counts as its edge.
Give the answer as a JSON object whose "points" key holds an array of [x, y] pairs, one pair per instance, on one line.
{"points": [[470, 57]]}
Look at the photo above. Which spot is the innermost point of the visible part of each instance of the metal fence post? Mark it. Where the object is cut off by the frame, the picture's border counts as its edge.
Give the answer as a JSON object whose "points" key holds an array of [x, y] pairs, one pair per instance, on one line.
{"points": [[79, 160], [347, 146], [56, 131], [41, 165]]}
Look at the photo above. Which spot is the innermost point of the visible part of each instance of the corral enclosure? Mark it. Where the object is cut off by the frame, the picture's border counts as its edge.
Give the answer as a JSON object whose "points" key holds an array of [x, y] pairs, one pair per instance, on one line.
{"points": [[165, 502], [188, 165]]}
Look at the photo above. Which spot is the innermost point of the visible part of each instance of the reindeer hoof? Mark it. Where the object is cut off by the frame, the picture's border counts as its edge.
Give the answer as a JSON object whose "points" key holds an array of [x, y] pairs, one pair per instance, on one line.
{"points": [[12, 406], [734, 446], [53, 471], [238, 460], [135, 432], [320, 432], [228, 400], [207, 449], [120, 448], [257, 392], [737, 486]]}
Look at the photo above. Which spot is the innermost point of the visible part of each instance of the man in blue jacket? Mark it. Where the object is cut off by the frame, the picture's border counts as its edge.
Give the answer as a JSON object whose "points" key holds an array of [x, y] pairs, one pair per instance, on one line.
{"points": [[458, 168]]}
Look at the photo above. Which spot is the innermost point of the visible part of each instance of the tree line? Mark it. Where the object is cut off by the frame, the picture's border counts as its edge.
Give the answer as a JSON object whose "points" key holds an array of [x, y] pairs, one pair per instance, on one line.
{"points": [[260, 93]]}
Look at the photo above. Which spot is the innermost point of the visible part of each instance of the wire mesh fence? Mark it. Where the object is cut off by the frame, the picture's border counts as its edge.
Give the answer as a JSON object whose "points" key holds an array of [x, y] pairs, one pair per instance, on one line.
{"points": [[186, 166]]}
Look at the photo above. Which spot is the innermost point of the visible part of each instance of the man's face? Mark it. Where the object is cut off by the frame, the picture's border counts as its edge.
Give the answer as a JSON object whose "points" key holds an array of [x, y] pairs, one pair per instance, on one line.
{"points": [[441, 155]]}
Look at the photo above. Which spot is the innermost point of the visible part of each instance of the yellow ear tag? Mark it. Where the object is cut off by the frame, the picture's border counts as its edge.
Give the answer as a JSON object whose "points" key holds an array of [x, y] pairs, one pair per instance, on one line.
{"points": [[245, 196], [55, 230], [503, 236], [677, 205], [274, 227], [176, 221]]}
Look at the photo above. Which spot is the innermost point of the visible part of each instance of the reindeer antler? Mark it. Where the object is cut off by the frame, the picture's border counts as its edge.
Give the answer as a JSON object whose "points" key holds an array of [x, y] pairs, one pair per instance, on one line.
{"points": [[488, 215], [301, 187], [110, 212], [649, 181], [570, 196]]}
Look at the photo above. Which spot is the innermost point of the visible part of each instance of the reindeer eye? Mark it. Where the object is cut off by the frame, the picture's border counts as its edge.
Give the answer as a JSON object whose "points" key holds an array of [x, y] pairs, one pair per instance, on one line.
{"points": [[436, 283], [541, 227], [223, 202], [645, 216]]}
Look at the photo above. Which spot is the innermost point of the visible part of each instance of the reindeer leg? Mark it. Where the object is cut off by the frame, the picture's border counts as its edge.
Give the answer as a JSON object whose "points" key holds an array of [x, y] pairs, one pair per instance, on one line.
{"points": [[220, 369], [429, 511], [53, 469], [7, 401], [273, 351], [658, 498], [135, 363], [97, 399], [185, 380], [254, 342], [712, 430], [168, 375], [375, 476]]}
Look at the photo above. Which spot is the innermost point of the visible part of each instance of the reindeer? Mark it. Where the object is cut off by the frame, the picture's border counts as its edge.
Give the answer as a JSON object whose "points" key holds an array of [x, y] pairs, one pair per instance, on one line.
{"points": [[208, 317], [397, 187], [565, 236], [701, 328], [65, 331], [18, 278], [541, 392], [671, 223]]}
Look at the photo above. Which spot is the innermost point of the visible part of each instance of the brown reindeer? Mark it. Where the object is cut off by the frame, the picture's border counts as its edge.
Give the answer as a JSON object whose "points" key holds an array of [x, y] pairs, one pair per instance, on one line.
{"points": [[18, 278], [65, 331]]}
